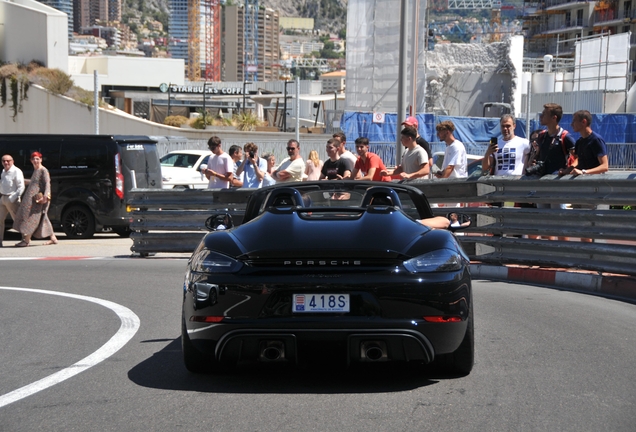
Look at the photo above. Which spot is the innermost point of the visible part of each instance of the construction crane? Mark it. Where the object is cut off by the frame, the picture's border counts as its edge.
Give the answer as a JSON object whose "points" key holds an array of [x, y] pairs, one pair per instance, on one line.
{"points": [[493, 5], [194, 41], [250, 41]]}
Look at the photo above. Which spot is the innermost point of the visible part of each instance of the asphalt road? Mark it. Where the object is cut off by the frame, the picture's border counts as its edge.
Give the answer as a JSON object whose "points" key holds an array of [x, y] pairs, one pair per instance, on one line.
{"points": [[546, 360]]}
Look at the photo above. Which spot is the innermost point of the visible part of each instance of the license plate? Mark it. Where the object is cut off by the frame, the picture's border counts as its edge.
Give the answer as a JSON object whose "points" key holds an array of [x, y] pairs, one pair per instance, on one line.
{"points": [[320, 303]]}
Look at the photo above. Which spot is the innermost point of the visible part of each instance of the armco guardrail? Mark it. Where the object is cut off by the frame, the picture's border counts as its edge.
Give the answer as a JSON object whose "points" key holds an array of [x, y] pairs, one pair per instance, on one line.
{"points": [[173, 220]]}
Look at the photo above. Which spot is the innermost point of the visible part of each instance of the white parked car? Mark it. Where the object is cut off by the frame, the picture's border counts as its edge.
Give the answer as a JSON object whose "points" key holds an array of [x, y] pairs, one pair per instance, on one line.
{"points": [[474, 162], [182, 169]]}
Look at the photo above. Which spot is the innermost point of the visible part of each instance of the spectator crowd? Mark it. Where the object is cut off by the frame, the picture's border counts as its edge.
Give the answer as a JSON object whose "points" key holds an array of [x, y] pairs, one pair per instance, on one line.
{"points": [[549, 151]]}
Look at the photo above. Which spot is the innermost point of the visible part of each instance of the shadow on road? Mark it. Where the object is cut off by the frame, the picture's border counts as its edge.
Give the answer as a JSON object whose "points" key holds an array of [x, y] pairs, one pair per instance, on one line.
{"points": [[165, 370]]}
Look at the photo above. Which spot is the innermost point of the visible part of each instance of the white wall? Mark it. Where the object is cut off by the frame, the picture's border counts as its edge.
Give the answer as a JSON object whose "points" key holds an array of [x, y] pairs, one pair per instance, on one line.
{"points": [[128, 71], [45, 113], [516, 56], [30, 30]]}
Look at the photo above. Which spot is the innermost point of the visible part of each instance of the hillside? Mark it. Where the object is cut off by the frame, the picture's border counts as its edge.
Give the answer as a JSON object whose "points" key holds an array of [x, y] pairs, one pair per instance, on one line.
{"points": [[329, 15]]}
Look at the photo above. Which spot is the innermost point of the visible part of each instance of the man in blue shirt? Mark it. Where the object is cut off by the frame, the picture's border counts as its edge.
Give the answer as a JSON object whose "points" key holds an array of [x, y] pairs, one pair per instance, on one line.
{"points": [[252, 168], [590, 150]]}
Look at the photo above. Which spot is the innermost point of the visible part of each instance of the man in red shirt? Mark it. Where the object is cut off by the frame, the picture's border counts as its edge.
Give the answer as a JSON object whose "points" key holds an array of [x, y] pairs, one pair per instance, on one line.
{"points": [[369, 164]]}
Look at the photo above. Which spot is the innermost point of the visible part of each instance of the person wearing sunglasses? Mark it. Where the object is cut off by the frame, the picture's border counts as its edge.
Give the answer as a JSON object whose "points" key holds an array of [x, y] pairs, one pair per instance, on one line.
{"points": [[291, 169]]}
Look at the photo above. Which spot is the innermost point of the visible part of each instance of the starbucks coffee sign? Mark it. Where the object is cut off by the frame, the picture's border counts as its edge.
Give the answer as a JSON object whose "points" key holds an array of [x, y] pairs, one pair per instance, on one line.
{"points": [[199, 89]]}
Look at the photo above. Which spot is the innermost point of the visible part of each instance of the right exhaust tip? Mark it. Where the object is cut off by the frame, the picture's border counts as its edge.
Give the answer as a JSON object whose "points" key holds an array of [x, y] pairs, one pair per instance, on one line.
{"points": [[373, 351]]}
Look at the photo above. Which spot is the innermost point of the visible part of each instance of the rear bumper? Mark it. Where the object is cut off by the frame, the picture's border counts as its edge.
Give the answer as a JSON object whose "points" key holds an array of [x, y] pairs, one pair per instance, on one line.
{"points": [[399, 340], [250, 344], [245, 319]]}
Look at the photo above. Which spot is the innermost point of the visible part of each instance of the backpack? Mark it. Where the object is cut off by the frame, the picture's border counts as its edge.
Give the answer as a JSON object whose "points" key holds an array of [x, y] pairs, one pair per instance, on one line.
{"points": [[561, 138]]}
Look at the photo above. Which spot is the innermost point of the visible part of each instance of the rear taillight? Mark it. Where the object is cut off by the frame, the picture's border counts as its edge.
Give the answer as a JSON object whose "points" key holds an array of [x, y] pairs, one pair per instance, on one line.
{"points": [[442, 318], [119, 177]]}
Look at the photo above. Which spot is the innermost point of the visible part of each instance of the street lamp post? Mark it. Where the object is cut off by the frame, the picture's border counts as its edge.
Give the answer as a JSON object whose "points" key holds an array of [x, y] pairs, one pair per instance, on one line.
{"points": [[244, 83], [285, 106]]}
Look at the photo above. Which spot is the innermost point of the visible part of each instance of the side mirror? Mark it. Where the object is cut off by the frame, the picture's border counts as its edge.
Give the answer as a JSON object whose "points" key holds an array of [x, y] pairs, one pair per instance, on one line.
{"points": [[458, 221], [219, 222]]}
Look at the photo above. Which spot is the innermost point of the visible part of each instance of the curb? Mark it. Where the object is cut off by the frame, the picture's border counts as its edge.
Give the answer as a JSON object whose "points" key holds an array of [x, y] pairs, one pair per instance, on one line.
{"points": [[619, 286]]}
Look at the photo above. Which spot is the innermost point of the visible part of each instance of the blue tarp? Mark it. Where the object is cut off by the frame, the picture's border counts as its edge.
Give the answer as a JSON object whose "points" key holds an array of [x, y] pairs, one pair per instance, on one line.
{"points": [[614, 128]]}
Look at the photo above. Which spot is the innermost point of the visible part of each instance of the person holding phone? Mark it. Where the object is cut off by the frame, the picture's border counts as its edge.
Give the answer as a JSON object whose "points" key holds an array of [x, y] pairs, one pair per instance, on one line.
{"points": [[509, 157], [253, 168]]}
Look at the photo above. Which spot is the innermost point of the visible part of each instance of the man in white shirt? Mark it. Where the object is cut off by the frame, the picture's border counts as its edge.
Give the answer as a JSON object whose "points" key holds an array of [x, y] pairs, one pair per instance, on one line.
{"points": [[455, 160], [291, 169], [220, 169], [510, 155], [11, 189]]}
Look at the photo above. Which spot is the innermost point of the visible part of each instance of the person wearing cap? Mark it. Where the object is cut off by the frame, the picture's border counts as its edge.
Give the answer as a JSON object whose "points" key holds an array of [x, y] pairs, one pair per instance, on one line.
{"points": [[412, 121], [414, 160]]}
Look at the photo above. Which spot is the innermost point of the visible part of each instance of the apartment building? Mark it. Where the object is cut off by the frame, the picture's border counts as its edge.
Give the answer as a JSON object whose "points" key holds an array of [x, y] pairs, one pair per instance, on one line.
{"points": [[298, 48], [86, 13], [178, 29], [333, 81], [65, 6], [553, 26], [265, 63]]}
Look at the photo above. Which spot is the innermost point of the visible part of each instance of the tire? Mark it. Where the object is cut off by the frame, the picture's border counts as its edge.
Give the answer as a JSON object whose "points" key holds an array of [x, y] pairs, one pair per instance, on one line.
{"points": [[122, 231], [78, 222], [460, 362], [194, 360]]}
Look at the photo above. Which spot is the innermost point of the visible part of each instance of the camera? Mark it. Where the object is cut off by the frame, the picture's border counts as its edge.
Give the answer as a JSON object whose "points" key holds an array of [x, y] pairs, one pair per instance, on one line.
{"points": [[536, 170], [252, 154]]}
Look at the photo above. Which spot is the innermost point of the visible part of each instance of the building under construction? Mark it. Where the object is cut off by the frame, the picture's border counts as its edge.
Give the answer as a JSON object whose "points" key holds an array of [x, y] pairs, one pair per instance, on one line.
{"points": [[251, 44], [248, 50]]}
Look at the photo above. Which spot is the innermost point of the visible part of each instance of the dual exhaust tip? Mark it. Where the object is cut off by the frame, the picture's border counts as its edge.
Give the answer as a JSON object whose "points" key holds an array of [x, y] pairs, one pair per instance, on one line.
{"points": [[271, 351], [373, 351], [370, 351]]}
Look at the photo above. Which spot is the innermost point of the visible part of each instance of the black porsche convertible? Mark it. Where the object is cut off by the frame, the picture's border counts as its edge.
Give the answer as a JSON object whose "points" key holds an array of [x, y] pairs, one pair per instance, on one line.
{"points": [[345, 267]]}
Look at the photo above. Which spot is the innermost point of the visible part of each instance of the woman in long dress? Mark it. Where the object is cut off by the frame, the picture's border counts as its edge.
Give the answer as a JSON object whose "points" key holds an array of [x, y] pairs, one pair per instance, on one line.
{"points": [[32, 219]]}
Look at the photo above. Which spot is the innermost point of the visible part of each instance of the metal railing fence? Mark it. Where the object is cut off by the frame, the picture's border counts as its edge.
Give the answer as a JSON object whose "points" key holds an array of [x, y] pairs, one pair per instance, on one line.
{"points": [[173, 220]]}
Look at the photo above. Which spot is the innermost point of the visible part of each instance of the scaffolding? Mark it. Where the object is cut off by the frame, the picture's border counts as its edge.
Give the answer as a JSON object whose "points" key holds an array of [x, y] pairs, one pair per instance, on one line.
{"points": [[250, 37], [194, 41], [212, 15]]}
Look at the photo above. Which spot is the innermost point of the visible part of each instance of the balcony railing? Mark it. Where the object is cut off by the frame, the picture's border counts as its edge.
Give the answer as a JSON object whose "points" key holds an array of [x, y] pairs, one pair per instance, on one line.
{"points": [[553, 3]]}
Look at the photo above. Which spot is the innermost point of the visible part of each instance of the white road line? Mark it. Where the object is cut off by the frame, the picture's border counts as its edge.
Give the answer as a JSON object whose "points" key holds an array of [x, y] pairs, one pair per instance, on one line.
{"points": [[129, 326]]}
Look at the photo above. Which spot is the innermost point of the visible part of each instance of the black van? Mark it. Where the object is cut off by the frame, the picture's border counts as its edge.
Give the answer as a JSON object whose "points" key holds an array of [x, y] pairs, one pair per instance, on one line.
{"points": [[91, 176]]}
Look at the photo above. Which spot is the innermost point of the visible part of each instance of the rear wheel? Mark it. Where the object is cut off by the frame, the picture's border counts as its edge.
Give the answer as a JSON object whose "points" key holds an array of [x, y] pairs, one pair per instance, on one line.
{"points": [[195, 361], [460, 362], [122, 231], [78, 222]]}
